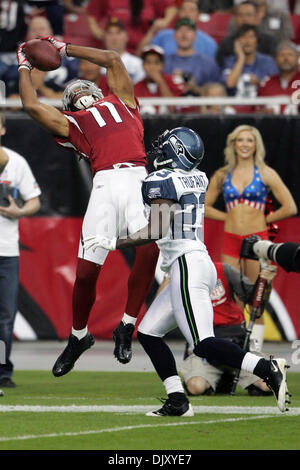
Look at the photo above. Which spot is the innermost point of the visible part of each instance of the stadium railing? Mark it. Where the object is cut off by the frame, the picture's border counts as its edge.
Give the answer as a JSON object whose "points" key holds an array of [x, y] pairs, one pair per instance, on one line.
{"points": [[180, 101]]}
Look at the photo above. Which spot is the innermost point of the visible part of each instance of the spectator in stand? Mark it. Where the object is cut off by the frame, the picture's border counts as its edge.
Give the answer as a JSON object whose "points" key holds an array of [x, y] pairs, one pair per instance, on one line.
{"points": [[136, 15], [246, 13], [12, 32], [53, 10], [165, 38], [271, 20], [215, 90], [286, 82], [156, 83], [13, 26], [116, 39], [195, 68], [246, 69]]}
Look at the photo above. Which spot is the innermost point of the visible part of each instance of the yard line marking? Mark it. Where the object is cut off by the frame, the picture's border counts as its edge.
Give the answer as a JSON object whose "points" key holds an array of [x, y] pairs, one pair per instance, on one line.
{"points": [[126, 428], [141, 409]]}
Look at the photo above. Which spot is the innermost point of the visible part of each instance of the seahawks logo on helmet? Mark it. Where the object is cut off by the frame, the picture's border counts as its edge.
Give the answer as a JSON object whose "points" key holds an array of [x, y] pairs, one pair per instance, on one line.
{"points": [[180, 148]]}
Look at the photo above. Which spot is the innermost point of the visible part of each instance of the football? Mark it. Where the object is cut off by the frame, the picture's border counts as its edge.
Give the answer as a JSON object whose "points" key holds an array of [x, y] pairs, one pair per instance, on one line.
{"points": [[42, 54]]}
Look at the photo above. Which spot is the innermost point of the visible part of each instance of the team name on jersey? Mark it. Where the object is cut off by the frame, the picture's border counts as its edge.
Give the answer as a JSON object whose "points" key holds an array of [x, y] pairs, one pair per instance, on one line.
{"points": [[195, 181]]}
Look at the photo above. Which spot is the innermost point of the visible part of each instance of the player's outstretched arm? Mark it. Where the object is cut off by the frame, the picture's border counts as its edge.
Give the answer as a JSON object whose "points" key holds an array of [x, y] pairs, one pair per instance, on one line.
{"points": [[161, 216], [48, 116], [117, 76]]}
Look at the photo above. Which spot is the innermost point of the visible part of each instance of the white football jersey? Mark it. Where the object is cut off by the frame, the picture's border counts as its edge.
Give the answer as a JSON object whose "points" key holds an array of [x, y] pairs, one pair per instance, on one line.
{"points": [[187, 190]]}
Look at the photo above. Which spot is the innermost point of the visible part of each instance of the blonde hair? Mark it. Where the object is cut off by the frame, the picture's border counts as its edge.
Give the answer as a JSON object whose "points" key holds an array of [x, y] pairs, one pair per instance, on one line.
{"points": [[230, 154]]}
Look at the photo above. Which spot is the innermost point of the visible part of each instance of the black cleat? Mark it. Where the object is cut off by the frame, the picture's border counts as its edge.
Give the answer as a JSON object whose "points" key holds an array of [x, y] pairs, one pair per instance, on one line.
{"points": [[122, 337], [172, 408], [276, 380], [71, 353], [6, 382]]}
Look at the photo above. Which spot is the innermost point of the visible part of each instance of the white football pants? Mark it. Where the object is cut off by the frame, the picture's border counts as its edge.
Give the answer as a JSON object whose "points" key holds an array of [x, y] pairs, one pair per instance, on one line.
{"points": [[115, 208], [185, 302]]}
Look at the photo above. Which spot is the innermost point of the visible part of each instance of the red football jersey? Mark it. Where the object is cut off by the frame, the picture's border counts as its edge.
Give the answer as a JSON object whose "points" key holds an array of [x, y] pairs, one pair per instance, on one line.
{"points": [[107, 133]]}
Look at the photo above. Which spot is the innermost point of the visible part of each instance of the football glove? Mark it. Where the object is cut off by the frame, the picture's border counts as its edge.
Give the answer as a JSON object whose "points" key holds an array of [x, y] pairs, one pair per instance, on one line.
{"points": [[23, 62], [59, 45], [98, 241]]}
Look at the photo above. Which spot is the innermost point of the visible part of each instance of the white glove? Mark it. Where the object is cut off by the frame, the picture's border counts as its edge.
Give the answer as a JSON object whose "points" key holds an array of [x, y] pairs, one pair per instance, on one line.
{"points": [[98, 241], [23, 62], [59, 45]]}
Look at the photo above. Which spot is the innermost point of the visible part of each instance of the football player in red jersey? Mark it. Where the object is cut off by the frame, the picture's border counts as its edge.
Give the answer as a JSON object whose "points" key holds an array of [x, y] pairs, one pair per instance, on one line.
{"points": [[109, 133]]}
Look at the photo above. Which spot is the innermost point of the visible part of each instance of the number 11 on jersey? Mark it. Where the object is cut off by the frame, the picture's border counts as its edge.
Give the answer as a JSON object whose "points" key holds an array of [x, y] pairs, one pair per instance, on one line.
{"points": [[99, 119]]}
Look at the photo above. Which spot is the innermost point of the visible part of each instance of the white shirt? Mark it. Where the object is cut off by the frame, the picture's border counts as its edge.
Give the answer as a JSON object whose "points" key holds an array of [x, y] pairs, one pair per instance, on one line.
{"points": [[134, 66], [18, 174]]}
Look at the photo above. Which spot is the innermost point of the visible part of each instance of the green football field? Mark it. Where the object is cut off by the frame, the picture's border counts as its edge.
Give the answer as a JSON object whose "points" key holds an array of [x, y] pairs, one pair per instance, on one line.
{"points": [[106, 411]]}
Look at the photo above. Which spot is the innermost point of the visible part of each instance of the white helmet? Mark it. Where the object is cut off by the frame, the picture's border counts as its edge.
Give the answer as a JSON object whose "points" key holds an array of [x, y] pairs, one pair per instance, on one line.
{"points": [[76, 87]]}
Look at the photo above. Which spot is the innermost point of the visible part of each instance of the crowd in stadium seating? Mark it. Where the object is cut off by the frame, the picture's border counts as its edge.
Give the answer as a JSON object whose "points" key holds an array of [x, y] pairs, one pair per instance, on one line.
{"points": [[169, 47]]}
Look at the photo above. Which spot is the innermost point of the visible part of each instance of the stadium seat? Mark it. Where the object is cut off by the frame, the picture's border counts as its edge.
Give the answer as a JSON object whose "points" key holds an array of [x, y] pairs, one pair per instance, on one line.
{"points": [[77, 31], [215, 25], [295, 19]]}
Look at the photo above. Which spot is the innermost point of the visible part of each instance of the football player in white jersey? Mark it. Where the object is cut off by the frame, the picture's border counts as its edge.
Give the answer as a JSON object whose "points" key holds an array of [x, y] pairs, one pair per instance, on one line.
{"points": [[175, 194]]}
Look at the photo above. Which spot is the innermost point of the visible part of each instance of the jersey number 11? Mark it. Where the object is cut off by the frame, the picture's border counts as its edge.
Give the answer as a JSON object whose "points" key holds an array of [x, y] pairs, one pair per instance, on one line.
{"points": [[99, 119]]}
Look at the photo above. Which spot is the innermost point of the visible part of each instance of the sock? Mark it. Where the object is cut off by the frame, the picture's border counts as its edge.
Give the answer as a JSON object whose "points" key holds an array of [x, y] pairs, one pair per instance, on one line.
{"points": [[250, 362], [160, 354], [141, 277], [84, 292], [173, 384], [80, 333], [128, 319], [262, 368], [257, 338]]}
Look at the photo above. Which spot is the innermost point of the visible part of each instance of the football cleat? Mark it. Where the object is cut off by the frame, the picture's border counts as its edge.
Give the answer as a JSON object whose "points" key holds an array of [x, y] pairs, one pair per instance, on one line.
{"points": [[276, 380], [71, 353], [122, 337], [171, 408]]}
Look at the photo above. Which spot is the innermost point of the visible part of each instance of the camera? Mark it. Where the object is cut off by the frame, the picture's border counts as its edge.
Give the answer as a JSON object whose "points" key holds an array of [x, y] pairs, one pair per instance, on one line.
{"points": [[286, 255]]}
